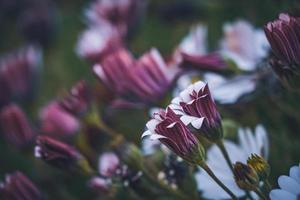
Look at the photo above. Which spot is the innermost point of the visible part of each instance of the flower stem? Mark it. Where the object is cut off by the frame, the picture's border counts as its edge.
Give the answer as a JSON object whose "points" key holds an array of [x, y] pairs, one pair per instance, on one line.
{"points": [[260, 194], [213, 176], [268, 185], [220, 144]]}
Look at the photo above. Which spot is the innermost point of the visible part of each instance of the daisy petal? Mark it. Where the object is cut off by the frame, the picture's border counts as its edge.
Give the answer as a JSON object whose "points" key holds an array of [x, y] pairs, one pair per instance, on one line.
{"points": [[278, 194], [289, 184]]}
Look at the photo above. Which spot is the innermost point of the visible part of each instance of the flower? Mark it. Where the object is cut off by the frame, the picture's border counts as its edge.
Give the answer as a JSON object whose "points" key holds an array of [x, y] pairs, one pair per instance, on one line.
{"points": [[167, 127], [260, 165], [284, 38], [289, 186], [120, 14], [18, 187], [100, 185], [245, 176], [18, 71], [108, 164], [15, 126], [56, 153], [94, 43], [245, 45], [192, 51], [55, 119], [248, 143], [78, 99], [197, 108], [229, 91]]}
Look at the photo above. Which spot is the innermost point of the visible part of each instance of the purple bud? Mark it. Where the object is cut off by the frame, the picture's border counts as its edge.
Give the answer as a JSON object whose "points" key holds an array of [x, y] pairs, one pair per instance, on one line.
{"points": [[55, 119], [108, 164], [56, 153], [283, 35], [167, 127], [15, 126], [18, 187], [100, 185], [198, 109], [77, 101]]}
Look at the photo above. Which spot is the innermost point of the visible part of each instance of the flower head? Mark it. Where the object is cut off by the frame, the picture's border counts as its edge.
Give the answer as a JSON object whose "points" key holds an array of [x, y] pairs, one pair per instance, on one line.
{"points": [[198, 109], [100, 185], [56, 153], [289, 186], [15, 125], [108, 164], [18, 187], [245, 176], [167, 127], [56, 119], [284, 38], [260, 166]]}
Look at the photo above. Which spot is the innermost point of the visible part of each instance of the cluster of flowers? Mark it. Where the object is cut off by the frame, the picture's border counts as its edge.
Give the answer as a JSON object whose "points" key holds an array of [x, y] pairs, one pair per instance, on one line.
{"points": [[227, 171]]}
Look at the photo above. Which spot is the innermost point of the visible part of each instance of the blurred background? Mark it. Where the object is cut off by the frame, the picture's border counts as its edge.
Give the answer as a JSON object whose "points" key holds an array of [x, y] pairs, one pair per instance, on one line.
{"points": [[56, 26]]}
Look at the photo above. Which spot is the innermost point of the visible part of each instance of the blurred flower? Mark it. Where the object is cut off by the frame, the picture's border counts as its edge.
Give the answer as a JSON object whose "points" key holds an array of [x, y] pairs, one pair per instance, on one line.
{"points": [[144, 80], [108, 164], [193, 51], [197, 108], [284, 38], [229, 91], [56, 153], [15, 126], [289, 186], [55, 119], [249, 143], [245, 176], [169, 130], [94, 43], [100, 185], [260, 165], [18, 187], [120, 14], [18, 72], [245, 45], [78, 99]]}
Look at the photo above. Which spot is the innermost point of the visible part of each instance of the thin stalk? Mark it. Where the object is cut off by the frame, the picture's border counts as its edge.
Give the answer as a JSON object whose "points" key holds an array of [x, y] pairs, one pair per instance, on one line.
{"points": [[248, 195], [213, 176], [220, 144], [260, 194]]}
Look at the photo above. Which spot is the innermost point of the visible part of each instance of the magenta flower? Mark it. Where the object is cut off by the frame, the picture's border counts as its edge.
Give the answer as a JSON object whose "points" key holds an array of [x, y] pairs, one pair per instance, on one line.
{"points": [[167, 127], [94, 43], [78, 99], [108, 164], [56, 119], [284, 37], [18, 187], [56, 153], [198, 109], [15, 126], [18, 71]]}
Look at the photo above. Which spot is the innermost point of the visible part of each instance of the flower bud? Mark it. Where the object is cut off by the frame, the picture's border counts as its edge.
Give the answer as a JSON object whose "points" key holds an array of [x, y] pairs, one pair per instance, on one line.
{"points": [[260, 165], [15, 126], [245, 176], [18, 187], [100, 185], [108, 164], [59, 154]]}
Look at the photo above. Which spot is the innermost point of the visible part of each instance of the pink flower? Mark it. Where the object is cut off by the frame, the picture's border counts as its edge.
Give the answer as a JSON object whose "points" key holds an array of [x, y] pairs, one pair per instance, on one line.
{"points": [[167, 127], [55, 119], [108, 164]]}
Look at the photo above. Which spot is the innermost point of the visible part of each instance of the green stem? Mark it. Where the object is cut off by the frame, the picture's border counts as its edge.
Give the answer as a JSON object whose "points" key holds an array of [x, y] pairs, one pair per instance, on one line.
{"points": [[213, 176], [220, 144], [268, 186], [260, 194], [248, 195]]}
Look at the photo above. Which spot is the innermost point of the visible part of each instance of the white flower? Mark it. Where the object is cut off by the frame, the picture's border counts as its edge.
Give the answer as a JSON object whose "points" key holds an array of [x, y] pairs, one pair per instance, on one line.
{"points": [[248, 143], [289, 186], [228, 91], [244, 44], [195, 42]]}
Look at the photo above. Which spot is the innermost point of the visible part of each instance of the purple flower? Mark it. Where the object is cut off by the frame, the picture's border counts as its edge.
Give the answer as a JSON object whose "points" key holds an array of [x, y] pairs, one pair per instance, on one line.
{"points": [[56, 153], [108, 164], [15, 126], [78, 99], [56, 119], [94, 43], [18, 187], [284, 37], [100, 185], [167, 127], [18, 71], [197, 108]]}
